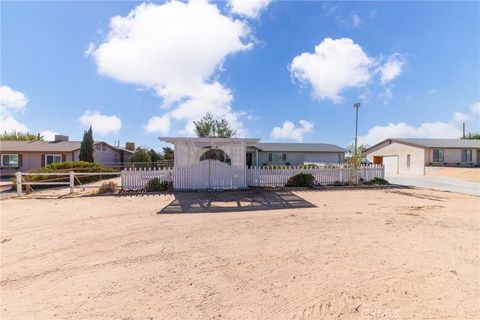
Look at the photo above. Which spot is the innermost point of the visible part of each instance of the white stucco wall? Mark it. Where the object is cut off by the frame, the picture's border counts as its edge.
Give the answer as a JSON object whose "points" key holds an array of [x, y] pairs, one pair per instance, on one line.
{"points": [[417, 156], [451, 156]]}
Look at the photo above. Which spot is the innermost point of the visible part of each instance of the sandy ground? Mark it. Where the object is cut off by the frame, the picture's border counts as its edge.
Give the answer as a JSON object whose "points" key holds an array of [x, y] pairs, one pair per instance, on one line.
{"points": [[375, 254], [467, 174]]}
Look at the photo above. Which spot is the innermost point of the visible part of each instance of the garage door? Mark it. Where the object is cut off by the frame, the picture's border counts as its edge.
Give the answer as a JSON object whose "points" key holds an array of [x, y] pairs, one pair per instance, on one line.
{"points": [[391, 165]]}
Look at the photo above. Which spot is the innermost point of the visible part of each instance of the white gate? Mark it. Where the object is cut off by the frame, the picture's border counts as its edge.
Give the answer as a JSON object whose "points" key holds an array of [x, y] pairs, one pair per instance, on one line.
{"points": [[209, 174]]}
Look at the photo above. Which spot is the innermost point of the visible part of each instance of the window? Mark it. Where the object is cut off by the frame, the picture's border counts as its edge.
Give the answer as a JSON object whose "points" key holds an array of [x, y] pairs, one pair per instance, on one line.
{"points": [[277, 157], [9, 160], [437, 155], [98, 146], [52, 158], [466, 155], [104, 146], [408, 161]]}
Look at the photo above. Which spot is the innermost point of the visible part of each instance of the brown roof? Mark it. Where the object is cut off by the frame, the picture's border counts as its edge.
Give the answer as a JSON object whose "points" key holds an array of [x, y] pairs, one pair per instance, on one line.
{"points": [[45, 146]]}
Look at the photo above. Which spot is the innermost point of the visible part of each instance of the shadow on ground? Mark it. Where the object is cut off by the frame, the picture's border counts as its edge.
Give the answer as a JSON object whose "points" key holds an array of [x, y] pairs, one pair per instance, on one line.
{"points": [[229, 201]]}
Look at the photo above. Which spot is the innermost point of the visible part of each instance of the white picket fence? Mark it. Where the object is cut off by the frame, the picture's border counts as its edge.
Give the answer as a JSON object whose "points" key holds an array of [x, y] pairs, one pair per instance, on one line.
{"points": [[212, 174]]}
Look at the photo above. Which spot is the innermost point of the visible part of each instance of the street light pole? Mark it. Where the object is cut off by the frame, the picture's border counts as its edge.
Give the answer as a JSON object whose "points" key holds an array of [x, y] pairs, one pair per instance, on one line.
{"points": [[356, 106]]}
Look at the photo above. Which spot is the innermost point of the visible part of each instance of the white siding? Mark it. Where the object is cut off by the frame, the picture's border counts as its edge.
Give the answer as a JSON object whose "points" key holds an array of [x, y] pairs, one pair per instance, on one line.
{"points": [[417, 156]]}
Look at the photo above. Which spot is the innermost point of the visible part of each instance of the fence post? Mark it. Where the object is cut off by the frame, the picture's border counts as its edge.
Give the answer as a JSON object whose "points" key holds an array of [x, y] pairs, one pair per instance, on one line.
{"points": [[72, 181], [19, 183]]}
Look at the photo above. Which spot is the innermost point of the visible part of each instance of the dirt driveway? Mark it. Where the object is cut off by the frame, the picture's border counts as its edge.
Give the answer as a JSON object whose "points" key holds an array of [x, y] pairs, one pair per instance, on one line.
{"points": [[376, 254]]}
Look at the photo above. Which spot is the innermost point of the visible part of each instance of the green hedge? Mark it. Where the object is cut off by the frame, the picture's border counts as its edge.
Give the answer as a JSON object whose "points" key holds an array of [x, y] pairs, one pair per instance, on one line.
{"points": [[305, 180], [156, 185]]}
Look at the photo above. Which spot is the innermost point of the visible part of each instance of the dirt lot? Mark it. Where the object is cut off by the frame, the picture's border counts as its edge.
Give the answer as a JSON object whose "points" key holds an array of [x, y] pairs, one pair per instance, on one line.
{"points": [[376, 254], [467, 174]]}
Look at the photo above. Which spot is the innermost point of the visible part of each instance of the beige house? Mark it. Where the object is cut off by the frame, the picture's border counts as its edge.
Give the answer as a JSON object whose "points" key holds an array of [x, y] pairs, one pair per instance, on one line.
{"points": [[25, 155], [414, 156]]}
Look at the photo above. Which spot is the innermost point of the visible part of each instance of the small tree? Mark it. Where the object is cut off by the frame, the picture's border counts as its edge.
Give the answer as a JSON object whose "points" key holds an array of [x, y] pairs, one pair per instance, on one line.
{"points": [[472, 136], [154, 155], [208, 126], [168, 153], [141, 155], [86, 147], [20, 136]]}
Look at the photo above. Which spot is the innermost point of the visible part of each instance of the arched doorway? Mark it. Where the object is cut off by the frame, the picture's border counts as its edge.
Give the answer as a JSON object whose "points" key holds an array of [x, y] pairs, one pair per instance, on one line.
{"points": [[216, 154]]}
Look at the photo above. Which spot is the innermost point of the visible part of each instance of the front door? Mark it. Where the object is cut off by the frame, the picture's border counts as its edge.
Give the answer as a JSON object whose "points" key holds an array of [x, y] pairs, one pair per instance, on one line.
{"points": [[249, 159]]}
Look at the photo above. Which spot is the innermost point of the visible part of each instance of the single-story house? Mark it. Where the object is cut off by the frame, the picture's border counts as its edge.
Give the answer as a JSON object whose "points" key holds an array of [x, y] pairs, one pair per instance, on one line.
{"points": [[250, 152], [26, 155], [412, 155], [294, 154]]}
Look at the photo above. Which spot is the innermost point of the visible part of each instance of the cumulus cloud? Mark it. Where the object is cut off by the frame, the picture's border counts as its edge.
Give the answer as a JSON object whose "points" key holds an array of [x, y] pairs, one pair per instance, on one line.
{"points": [[176, 49], [158, 124], [335, 65], [48, 135], [11, 101], [475, 107], [392, 68], [436, 129], [460, 118], [289, 131], [339, 64], [101, 124], [248, 8]]}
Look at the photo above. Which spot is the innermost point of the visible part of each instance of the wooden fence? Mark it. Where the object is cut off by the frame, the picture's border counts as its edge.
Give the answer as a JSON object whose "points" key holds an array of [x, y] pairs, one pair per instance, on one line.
{"points": [[213, 174]]}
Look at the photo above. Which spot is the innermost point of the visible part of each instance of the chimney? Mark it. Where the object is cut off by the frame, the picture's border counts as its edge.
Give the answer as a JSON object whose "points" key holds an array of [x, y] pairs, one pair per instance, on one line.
{"points": [[130, 146], [59, 137]]}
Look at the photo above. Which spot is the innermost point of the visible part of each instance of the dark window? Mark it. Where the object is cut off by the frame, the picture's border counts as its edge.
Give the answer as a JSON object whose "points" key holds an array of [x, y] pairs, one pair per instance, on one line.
{"points": [[270, 157], [466, 155], [104, 146], [97, 146], [9, 160], [284, 157], [438, 155]]}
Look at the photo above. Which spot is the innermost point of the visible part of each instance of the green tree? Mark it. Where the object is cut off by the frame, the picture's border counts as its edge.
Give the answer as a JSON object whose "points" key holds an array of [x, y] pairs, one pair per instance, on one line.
{"points": [[472, 136], [141, 154], [208, 126], [168, 153], [20, 136], [154, 155], [86, 147]]}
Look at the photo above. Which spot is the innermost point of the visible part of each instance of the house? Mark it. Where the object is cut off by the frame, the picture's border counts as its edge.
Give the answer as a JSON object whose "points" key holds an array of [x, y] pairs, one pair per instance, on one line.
{"points": [[414, 156], [26, 155], [251, 152], [294, 154]]}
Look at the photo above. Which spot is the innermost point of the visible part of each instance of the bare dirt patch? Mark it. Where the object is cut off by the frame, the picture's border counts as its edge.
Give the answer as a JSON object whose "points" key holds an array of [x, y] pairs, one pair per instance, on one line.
{"points": [[375, 254], [466, 174]]}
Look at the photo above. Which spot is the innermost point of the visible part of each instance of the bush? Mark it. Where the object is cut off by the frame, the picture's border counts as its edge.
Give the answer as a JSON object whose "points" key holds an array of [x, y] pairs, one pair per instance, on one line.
{"points": [[156, 185], [379, 181], [308, 166], [107, 187], [77, 166], [301, 180]]}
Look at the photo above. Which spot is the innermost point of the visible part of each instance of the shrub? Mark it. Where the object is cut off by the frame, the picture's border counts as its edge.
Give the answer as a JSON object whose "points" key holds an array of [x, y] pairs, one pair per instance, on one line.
{"points": [[156, 185], [107, 187], [379, 181], [308, 166], [301, 180]]}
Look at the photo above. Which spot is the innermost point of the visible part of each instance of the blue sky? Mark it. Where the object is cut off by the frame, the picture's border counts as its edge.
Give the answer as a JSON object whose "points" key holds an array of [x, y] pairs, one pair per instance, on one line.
{"points": [[414, 66]]}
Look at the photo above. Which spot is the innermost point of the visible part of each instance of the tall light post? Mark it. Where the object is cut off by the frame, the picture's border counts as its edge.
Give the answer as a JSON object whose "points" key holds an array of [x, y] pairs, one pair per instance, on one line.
{"points": [[356, 106]]}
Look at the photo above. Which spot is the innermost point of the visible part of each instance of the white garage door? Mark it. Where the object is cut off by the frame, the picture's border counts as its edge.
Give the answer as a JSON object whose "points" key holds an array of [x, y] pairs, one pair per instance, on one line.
{"points": [[391, 165]]}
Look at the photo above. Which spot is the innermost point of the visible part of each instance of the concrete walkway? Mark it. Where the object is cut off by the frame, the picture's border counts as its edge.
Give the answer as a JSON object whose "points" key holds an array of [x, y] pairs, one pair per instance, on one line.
{"points": [[437, 183]]}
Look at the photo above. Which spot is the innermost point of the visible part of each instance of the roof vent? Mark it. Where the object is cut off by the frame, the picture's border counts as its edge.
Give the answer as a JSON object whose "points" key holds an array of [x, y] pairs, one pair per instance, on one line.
{"points": [[59, 137]]}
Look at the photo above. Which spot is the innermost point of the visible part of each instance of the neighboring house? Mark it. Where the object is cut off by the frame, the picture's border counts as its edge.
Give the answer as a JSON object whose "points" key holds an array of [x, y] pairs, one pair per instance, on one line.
{"points": [[26, 155], [414, 156], [294, 154]]}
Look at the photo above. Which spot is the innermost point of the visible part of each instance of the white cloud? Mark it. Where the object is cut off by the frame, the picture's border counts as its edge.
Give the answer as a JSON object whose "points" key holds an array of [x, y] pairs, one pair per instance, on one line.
{"points": [[158, 124], [391, 68], [101, 124], [460, 118], [289, 131], [90, 49], [175, 49], [48, 135], [248, 8], [475, 107], [8, 123], [356, 20], [11, 101], [335, 65], [436, 129]]}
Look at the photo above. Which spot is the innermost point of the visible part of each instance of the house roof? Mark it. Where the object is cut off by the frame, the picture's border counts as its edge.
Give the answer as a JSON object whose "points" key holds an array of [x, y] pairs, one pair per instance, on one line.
{"points": [[299, 147], [46, 146], [173, 140], [435, 143]]}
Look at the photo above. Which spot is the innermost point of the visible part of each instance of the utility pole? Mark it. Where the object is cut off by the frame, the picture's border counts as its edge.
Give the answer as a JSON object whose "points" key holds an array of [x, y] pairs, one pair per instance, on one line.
{"points": [[356, 106], [464, 131]]}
